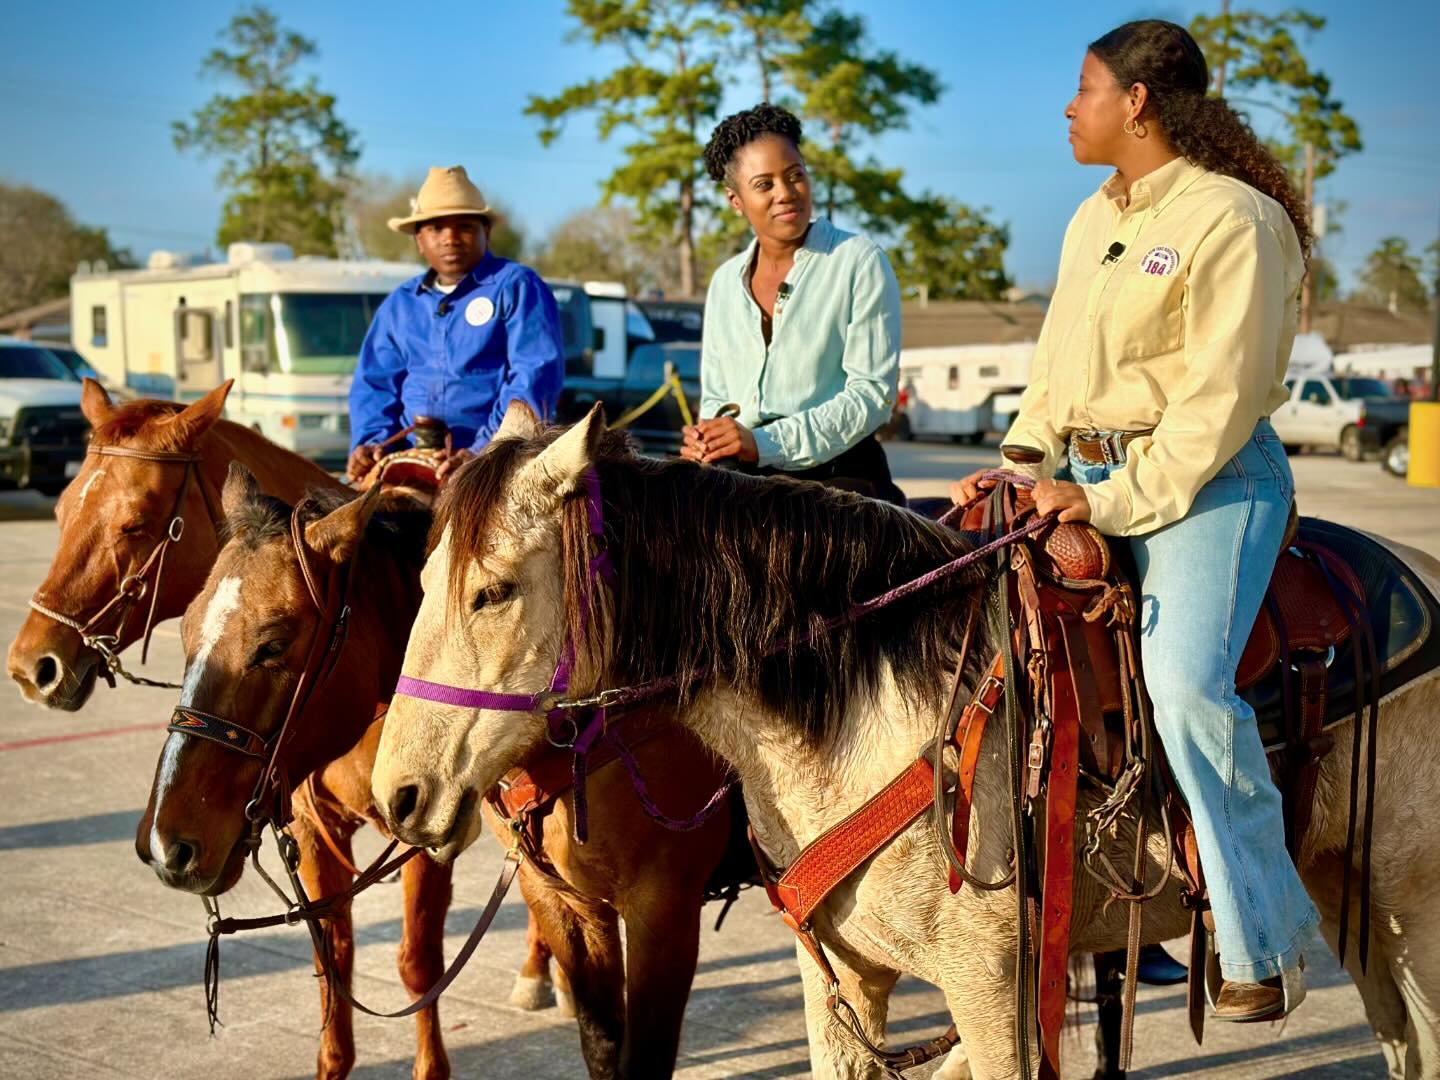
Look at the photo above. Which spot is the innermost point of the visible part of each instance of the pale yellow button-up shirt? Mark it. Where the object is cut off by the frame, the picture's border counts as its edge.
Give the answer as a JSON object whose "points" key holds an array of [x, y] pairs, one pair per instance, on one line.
{"points": [[1187, 331]]}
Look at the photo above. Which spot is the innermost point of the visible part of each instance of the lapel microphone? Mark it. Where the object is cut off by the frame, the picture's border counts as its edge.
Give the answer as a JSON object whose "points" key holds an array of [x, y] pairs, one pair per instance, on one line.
{"points": [[1113, 255]]}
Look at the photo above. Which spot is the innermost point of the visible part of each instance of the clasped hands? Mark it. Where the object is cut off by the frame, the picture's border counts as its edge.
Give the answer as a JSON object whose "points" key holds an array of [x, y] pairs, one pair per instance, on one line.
{"points": [[364, 457], [712, 440]]}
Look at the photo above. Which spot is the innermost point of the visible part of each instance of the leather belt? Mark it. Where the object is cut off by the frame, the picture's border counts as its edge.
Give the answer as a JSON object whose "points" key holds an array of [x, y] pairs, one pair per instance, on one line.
{"points": [[1103, 447]]}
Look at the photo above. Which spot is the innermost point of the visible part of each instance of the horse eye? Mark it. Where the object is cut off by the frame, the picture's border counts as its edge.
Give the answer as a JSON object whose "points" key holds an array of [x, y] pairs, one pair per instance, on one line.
{"points": [[494, 594], [270, 650], [132, 528]]}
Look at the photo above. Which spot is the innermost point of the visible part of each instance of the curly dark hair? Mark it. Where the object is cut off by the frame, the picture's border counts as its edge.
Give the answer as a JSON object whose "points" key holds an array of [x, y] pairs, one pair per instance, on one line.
{"points": [[1206, 130], [739, 130]]}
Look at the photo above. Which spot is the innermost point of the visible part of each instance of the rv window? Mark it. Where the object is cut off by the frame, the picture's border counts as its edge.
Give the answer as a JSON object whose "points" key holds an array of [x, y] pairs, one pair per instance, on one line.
{"points": [[321, 333], [197, 337], [97, 325], [952, 382], [989, 371], [229, 324]]}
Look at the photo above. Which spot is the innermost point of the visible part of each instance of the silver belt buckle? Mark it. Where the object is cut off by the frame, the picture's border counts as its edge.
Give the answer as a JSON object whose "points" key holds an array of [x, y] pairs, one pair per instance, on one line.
{"points": [[1110, 449]]}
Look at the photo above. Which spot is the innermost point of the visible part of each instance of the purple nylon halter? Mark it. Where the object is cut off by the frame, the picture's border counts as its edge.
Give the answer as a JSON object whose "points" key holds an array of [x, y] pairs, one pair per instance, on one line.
{"points": [[594, 730]]}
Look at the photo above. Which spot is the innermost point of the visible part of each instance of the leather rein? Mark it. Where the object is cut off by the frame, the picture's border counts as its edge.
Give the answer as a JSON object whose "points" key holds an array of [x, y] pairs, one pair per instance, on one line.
{"points": [[134, 586]]}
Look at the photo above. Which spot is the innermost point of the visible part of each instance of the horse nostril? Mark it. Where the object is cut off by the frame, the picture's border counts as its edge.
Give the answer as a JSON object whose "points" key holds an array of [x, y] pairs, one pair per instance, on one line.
{"points": [[405, 804], [47, 673], [181, 856]]}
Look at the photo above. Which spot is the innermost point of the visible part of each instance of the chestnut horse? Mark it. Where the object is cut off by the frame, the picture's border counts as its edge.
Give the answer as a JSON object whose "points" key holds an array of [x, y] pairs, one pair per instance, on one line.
{"points": [[726, 585], [111, 518], [246, 639]]}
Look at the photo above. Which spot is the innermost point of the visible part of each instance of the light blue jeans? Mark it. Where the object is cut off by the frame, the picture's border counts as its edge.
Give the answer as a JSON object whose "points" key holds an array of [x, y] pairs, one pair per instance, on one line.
{"points": [[1202, 581]]}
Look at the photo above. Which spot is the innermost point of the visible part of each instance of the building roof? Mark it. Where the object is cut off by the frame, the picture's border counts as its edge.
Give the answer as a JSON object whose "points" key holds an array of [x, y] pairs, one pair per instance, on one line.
{"points": [[968, 322], [1343, 325]]}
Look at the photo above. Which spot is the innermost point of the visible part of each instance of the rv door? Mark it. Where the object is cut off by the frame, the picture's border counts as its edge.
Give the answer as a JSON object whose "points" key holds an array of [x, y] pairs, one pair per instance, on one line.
{"points": [[197, 347]]}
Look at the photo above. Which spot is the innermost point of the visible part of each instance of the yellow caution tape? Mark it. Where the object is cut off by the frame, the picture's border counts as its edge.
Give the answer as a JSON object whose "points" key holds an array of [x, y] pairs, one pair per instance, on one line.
{"points": [[671, 385]]}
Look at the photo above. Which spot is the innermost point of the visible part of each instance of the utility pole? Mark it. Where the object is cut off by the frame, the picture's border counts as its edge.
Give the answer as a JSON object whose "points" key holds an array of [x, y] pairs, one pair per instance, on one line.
{"points": [[1224, 47], [1306, 289]]}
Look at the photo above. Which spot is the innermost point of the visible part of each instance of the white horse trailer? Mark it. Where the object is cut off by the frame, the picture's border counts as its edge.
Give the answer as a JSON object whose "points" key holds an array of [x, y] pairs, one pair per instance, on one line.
{"points": [[287, 330], [963, 391]]}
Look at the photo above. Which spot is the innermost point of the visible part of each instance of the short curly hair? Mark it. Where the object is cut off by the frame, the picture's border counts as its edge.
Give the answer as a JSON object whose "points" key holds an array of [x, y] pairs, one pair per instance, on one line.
{"points": [[739, 130]]}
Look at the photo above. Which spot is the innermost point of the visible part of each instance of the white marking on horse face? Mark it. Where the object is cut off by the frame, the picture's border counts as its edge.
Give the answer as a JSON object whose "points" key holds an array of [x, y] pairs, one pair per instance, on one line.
{"points": [[224, 602], [89, 484]]}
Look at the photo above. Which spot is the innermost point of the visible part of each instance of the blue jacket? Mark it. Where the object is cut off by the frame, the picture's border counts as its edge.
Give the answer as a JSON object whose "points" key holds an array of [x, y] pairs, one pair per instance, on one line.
{"points": [[462, 357]]}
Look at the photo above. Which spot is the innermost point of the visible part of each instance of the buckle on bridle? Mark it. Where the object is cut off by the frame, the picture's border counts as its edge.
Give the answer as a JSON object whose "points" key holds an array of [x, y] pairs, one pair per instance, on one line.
{"points": [[605, 699]]}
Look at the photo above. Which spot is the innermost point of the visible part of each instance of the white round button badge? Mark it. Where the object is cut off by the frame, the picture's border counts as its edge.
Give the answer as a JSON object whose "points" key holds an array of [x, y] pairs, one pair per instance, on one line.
{"points": [[479, 311]]}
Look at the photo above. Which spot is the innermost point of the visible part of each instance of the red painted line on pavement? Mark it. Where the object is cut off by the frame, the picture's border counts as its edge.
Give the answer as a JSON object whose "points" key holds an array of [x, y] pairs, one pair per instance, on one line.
{"points": [[50, 740]]}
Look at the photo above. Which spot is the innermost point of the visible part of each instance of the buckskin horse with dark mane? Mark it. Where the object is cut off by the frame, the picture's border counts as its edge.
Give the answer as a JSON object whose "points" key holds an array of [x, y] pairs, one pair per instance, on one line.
{"points": [[261, 629], [743, 603]]}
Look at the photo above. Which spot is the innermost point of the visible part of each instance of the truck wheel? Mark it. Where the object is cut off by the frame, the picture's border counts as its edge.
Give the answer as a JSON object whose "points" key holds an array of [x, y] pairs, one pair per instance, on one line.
{"points": [[1292, 449], [1350, 444], [51, 487], [1396, 457], [975, 438]]}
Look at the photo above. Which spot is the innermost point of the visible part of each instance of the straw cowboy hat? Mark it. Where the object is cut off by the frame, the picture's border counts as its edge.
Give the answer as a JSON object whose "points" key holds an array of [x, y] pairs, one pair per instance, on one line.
{"points": [[445, 193]]}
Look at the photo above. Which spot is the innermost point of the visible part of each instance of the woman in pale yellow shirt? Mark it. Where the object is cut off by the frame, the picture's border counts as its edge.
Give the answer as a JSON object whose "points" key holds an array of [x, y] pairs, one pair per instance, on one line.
{"points": [[1161, 357]]}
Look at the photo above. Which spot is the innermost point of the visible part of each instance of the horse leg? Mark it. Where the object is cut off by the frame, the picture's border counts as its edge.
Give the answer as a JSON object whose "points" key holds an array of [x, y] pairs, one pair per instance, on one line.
{"points": [[662, 947], [564, 995], [584, 936], [533, 990], [323, 875], [1384, 1007], [835, 1054], [422, 957]]}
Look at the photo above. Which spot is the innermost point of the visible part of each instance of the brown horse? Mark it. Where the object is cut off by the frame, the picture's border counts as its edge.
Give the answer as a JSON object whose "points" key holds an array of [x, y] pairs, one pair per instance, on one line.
{"points": [[115, 513], [246, 639], [111, 519]]}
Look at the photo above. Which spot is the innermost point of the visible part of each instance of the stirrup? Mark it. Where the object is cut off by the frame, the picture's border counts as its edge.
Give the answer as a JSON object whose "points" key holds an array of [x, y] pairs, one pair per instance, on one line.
{"points": [[1292, 980]]}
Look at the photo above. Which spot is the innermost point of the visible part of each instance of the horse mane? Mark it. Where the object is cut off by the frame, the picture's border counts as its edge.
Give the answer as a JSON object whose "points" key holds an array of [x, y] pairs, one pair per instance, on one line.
{"points": [[398, 528], [730, 579]]}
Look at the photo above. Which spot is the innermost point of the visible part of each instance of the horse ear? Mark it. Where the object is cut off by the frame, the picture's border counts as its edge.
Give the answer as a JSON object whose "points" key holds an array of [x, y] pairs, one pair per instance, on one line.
{"points": [[196, 419], [339, 532], [560, 468], [240, 489], [520, 422], [95, 403]]}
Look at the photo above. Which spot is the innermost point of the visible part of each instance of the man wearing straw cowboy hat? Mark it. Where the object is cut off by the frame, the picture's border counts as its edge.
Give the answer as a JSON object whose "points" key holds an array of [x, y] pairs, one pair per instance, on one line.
{"points": [[459, 342]]}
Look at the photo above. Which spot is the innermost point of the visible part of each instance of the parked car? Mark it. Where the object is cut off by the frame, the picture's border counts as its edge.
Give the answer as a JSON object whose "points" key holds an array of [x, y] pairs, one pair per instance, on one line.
{"points": [[658, 429], [1353, 414], [675, 320], [43, 433], [1395, 458]]}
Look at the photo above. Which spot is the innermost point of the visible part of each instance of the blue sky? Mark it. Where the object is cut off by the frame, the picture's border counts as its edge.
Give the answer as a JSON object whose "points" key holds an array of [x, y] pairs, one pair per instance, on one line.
{"points": [[89, 90]]}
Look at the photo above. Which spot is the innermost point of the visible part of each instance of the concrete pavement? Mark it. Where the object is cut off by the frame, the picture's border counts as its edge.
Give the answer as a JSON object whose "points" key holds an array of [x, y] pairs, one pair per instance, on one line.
{"points": [[100, 966]]}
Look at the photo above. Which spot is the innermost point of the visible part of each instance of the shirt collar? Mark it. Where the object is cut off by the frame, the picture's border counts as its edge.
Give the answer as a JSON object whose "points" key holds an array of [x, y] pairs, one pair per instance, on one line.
{"points": [[484, 269], [819, 240], [1156, 189]]}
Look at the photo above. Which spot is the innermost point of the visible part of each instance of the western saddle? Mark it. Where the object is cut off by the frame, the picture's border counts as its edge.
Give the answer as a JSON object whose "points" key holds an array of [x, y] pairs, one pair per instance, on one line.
{"points": [[1344, 623]]}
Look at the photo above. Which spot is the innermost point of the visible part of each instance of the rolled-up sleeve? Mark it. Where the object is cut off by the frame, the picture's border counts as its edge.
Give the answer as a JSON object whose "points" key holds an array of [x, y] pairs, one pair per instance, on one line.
{"points": [[1236, 296], [535, 353], [376, 412], [871, 363]]}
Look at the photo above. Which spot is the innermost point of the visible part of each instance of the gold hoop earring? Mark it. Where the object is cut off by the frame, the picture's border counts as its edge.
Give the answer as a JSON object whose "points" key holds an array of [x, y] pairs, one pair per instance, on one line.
{"points": [[1130, 127]]}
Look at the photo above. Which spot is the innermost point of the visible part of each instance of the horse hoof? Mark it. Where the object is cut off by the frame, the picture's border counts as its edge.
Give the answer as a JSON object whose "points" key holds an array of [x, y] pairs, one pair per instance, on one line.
{"points": [[532, 993], [565, 1000]]}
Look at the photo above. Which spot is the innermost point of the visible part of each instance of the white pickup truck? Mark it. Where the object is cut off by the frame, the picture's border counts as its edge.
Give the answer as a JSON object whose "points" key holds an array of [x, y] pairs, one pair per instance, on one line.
{"points": [[1350, 413]]}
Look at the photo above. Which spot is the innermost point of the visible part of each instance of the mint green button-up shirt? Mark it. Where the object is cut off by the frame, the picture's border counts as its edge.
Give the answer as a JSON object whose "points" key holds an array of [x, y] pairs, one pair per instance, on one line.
{"points": [[829, 375]]}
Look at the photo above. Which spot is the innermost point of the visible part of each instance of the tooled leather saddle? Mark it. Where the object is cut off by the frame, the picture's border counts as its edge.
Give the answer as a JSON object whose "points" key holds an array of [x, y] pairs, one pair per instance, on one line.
{"points": [[1344, 623]]}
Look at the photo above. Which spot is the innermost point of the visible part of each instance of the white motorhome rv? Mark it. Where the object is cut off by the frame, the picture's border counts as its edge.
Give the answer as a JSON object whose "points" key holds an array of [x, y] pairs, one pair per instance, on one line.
{"points": [[286, 330], [963, 391]]}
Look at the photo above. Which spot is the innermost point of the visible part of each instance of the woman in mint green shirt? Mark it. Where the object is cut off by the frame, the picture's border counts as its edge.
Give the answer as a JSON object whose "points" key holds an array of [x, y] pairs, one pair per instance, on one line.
{"points": [[802, 329]]}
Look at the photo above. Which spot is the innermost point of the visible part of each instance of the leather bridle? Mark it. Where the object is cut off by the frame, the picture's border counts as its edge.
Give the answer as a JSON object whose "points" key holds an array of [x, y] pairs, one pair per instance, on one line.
{"points": [[134, 586], [270, 801]]}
